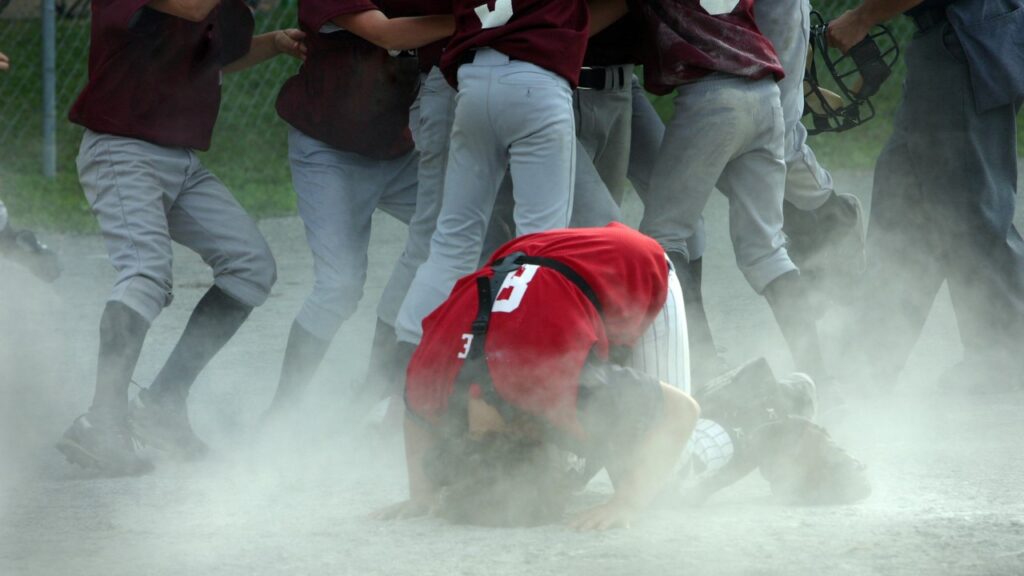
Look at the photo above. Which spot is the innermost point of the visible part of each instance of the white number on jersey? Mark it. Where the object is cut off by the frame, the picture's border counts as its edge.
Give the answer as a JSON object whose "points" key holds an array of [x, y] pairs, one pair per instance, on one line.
{"points": [[513, 288], [467, 343], [718, 7], [500, 16]]}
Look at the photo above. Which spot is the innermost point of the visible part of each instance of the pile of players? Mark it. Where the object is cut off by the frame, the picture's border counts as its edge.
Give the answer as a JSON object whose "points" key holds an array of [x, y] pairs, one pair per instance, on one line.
{"points": [[475, 123]]}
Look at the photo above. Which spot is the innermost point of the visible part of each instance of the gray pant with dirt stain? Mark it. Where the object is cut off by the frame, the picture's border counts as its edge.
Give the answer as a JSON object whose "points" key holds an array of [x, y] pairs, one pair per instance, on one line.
{"points": [[144, 197]]}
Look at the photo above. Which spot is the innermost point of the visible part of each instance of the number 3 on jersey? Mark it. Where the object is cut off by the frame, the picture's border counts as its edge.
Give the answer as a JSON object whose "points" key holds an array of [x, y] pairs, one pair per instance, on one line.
{"points": [[510, 295], [500, 16]]}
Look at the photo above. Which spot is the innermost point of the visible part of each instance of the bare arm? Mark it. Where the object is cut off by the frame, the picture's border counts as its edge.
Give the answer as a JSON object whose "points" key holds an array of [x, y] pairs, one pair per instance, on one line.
{"points": [[853, 25], [5, 62], [191, 10], [604, 13], [397, 33], [266, 46], [422, 492], [649, 464]]}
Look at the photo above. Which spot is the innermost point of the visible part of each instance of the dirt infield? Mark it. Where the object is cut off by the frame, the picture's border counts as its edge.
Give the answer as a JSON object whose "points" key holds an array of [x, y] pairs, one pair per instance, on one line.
{"points": [[948, 472]]}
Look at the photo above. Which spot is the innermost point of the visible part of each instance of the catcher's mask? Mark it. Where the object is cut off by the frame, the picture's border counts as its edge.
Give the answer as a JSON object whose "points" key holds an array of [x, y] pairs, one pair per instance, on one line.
{"points": [[853, 78]]}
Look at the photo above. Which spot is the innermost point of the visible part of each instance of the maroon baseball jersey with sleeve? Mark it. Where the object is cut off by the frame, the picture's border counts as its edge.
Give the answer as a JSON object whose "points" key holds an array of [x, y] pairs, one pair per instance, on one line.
{"points": [[615, 45], [685, 40], [549, 33], [543, 328], [350, 93], [156, 77], [430, 55]]}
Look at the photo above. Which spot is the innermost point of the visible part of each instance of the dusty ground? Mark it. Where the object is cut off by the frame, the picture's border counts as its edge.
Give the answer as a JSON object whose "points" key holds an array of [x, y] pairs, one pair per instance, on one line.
{"points": [[947, 471]]}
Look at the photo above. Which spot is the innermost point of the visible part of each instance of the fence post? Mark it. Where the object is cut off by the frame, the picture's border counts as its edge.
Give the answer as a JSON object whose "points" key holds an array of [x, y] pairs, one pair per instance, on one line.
{"points": [[49, 16]]}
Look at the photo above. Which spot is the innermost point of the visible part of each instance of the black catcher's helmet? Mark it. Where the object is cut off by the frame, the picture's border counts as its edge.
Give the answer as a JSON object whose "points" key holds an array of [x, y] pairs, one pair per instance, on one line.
{"points": [[853, 78]]}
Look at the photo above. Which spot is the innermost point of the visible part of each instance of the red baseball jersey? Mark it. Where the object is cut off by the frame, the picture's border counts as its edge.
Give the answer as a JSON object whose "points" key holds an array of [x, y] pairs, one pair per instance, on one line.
{"points": [[350, 93], [543, 328], [688, 39], [549, 33], [156, 77]]}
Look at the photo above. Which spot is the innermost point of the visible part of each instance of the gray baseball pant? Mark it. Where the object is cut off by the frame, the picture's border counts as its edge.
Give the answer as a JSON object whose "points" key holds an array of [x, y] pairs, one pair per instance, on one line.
{"points": [[727, 132], [508, 115], [787, 24], [144, 196], [337, 193]]}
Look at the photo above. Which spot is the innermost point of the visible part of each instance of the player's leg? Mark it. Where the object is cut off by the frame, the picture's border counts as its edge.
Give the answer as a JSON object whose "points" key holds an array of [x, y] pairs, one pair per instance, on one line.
{"points": [[970, 193], [753, 181], [696, 146], [663, 350], [603, 125], [826, 229], [436, 101], [532, 114], [128, 184], [476, 164], [206, 218]]}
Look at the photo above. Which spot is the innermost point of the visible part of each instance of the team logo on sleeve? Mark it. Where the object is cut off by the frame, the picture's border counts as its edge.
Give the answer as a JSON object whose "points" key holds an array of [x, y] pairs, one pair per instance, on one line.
{"points": [[718, 7], [499, 16]]}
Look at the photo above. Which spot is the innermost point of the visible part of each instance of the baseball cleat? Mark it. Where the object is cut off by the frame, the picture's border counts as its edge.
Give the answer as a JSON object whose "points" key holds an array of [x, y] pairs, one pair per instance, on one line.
{"points": [[106, 446], [166, 428]]}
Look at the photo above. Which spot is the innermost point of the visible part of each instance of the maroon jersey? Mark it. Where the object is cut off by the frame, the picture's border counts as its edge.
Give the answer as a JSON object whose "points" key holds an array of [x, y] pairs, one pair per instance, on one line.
{"points": [[156, 77], [430, 55], [543, 328], [615, 45], [549, 33], [688, 39], [350, 93]]}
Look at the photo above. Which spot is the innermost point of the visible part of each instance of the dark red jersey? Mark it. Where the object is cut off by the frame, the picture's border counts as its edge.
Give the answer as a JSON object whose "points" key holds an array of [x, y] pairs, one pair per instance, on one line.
{"points": [[549, 33], [350, 93], [156, 77], [430, 55], [687, 39], [615, 45], [543, 328]]}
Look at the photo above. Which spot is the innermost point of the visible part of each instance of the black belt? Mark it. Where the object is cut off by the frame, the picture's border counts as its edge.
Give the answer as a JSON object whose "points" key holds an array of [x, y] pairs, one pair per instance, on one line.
{"points": [[925, 20], [602, 78]]}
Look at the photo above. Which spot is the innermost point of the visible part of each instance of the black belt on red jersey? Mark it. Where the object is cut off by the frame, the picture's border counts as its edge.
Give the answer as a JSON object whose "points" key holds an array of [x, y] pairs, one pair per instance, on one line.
{"points": [[474, 369]]}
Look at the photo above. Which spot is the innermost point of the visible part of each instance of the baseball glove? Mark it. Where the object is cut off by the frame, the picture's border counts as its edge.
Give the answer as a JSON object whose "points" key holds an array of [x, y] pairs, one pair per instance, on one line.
{"points": [[804, 465]]}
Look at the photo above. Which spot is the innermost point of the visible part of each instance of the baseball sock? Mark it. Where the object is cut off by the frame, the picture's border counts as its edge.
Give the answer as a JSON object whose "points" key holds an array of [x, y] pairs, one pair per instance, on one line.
{"points": [[122, 332], [789, 303], [214, 321], [302, 356]]}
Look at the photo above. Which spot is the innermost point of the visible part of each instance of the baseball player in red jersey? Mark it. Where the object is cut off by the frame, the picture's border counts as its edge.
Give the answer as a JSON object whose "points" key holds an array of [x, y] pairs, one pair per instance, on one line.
{"points": [[351, 152], [152, 99], [524, 348], [514, 66], [727, 133]]}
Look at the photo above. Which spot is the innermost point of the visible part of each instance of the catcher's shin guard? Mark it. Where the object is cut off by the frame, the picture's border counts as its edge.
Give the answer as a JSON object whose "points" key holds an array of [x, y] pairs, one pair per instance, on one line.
{"points": [[738, 403]]}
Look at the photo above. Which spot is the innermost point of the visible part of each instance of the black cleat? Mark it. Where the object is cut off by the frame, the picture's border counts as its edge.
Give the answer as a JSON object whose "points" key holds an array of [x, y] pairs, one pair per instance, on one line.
{"points": [[23, 247], [166, 428], [103, 445]]}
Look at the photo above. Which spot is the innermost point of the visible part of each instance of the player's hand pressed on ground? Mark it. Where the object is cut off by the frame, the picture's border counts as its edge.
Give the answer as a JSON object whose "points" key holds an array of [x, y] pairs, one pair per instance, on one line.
{"points": [[611, 514]]}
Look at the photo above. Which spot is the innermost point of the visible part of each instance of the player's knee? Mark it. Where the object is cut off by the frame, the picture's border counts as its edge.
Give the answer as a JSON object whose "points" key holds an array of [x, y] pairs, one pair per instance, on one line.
{"points": [[248, 275], [146, 293]]}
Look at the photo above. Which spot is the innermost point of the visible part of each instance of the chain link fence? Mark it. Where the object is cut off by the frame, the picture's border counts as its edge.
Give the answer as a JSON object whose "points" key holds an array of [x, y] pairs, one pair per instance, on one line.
{"points": [[249, 149]]}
